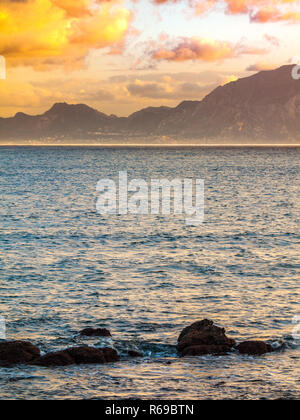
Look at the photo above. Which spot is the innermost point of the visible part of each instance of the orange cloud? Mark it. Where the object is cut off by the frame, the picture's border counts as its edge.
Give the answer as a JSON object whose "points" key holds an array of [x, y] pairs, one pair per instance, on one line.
{"points": [[34, 32], [77, 8], [266, 10], [16, 95], [261, 66], [258, 10], [202, 49], [195, 49], [168, 89]]}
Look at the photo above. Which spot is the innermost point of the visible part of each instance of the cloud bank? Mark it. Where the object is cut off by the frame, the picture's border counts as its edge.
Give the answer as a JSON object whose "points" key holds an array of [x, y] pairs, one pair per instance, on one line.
{"points": [[261, 11], [49, 32], [202, 49]]}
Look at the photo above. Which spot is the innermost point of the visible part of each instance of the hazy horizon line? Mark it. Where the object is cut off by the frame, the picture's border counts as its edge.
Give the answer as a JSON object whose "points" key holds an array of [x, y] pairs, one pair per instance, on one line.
{"points": [[153, 145]]}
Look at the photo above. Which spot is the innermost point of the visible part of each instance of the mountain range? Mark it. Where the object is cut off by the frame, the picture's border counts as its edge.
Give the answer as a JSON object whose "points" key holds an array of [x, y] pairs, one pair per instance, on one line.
{"points": [[262, 107]]}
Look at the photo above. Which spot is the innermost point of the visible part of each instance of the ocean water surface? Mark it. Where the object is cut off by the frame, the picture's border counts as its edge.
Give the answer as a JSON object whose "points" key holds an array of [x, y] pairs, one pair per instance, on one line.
{"points": [[63, 267]]}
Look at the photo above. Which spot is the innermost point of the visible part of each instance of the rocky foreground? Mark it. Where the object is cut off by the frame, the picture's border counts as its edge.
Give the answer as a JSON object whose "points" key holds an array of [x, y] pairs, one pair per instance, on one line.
{"points": [[203, 337], [200, 338]]}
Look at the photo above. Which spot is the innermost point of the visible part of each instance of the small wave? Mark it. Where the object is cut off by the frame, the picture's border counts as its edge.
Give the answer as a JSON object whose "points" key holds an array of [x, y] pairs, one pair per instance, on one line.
{"points": [[147, 349]]}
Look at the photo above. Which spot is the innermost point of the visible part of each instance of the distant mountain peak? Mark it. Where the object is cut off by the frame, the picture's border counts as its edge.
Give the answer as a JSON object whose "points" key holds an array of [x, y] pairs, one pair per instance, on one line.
{"points": [[61, 107], [265, 105], [21, 115]]}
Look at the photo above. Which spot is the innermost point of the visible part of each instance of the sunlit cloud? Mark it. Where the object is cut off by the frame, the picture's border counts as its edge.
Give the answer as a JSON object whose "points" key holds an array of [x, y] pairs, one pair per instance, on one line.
{"points": [[228, 79], [129, 54], [51, 32], [130, 92], [166, 90], [17, 95], [258, 10], [203, 49], [261, 66]]}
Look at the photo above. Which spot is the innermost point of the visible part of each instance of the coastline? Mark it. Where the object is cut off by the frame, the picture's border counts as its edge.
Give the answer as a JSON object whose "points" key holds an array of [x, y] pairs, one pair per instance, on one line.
{"points": [[154, 145]]}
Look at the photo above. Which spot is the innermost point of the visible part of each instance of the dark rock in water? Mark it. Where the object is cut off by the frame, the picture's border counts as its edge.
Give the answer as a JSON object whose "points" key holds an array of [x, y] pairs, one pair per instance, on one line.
{"points": [[205, 333], [78, 356], [95, 332], [134, 353], [254, 348], [205, 349], [86, 355], [58, 358], [17, 352]]}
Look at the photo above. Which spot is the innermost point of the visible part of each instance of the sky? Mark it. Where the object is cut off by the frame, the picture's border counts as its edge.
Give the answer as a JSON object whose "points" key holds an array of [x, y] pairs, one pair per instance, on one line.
{"points": [[119, 56]]}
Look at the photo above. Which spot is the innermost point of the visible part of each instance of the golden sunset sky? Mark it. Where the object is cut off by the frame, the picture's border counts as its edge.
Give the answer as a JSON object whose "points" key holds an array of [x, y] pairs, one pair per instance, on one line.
{"points": [[119, 56]]}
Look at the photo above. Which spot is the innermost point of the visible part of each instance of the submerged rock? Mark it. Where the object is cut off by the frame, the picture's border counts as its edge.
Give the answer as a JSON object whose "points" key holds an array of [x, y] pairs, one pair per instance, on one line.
{"points": [[95, 332], [134, 353], [254, 348], [78, 356], [17, 352], [203, 337]]}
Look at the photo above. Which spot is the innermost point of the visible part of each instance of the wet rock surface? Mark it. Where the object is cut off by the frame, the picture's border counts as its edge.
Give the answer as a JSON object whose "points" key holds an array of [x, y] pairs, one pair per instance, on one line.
{"points": [[58, 358], [206, 349], [78, 356], [95, 332], [203, 337], [17, 352], [254, 348]]}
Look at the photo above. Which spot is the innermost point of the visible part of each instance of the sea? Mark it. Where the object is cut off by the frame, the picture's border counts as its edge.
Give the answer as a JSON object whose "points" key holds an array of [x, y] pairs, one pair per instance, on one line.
{"points": [[65, 267]]}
